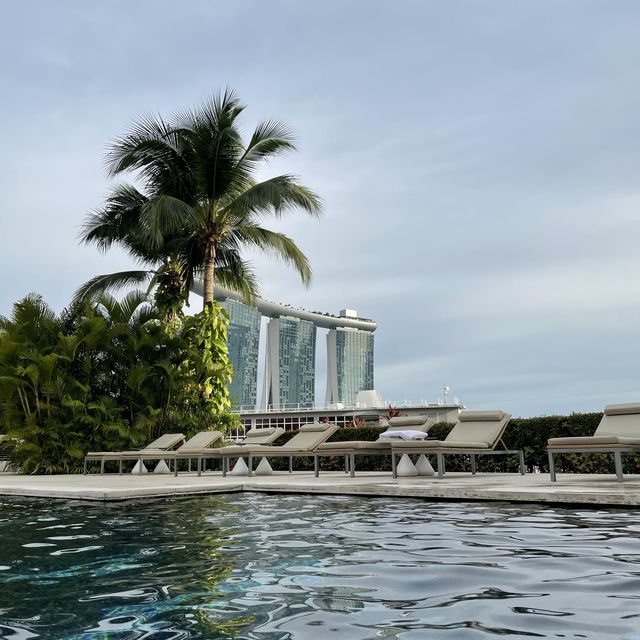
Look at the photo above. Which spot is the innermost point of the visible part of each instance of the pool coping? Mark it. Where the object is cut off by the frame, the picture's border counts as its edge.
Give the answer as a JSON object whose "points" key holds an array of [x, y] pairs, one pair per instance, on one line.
{"points": [[586, 490]]}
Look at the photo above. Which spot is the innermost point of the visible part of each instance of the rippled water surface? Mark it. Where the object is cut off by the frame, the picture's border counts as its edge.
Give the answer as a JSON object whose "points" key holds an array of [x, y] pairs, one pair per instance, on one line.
{"points": [[280, 567]]}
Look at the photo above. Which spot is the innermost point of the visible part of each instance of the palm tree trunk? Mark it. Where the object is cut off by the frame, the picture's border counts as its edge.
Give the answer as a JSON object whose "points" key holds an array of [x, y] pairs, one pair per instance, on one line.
{"points": [[209, 275]]}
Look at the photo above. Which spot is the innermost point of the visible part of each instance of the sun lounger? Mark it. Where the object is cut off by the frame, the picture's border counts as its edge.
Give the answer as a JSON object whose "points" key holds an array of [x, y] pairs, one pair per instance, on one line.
{"points": [[261, 436], [303, 444], [163, 443], [617, 433], [253, 437], [402, 425], [190, 450], [476, 433]]}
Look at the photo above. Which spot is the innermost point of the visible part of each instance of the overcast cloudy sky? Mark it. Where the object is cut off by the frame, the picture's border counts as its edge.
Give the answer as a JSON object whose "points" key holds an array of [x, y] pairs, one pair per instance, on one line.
{"points": [[479, 163]]}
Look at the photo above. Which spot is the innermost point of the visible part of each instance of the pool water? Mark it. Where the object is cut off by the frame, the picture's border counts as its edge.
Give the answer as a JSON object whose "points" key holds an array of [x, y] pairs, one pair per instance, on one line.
{"points": [[264, 567]]}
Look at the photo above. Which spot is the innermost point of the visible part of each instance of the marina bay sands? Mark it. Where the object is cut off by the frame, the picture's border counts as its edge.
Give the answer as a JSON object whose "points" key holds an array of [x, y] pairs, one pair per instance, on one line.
{"points": [[290, 354]]}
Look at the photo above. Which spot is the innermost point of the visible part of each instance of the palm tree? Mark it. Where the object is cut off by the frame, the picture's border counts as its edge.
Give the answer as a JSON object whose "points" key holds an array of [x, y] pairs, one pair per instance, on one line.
{"points": [[200, 203]]}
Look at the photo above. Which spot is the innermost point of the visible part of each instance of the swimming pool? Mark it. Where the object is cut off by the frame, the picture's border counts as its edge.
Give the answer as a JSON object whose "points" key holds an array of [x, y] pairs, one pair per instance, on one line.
{"points": [[269, 567]]}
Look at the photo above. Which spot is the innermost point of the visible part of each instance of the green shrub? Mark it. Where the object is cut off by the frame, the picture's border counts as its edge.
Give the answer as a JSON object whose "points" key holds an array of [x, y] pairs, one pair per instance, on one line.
{"points": [[106, 376]]}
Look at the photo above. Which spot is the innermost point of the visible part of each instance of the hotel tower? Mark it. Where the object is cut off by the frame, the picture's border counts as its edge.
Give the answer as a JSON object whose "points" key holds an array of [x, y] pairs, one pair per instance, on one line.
{"points": [[289, 374]]}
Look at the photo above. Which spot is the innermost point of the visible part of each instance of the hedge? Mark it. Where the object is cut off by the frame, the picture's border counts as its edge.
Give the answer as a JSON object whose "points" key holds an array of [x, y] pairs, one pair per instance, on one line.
{"points": [[528, 434]]}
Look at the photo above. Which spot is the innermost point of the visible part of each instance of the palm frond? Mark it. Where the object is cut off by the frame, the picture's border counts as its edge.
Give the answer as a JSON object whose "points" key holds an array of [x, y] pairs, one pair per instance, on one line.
{"points": [[158, 152], [164, 216], [134, 305], [277, 245], [123, 311], [117, 221], [148, 138], [107, 306], [98, 285], [269, 139], [276, 196], [237, 274], [30, 316], [219, 111]]}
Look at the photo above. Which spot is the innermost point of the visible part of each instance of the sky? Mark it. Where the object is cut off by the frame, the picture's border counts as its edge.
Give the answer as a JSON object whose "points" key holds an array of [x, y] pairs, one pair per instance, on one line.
{"points": [[478, 161]]}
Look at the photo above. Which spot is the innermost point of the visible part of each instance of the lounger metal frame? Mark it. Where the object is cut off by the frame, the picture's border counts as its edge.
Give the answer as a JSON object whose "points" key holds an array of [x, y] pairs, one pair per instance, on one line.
{"points": [[158, 456], [349, 460], [617, 456], [461, 452], [251, 456], [350, 457]]}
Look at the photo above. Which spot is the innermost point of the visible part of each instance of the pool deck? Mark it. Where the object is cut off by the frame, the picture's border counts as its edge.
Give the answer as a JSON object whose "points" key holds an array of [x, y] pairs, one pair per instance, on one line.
{"points": [[593, 490]]}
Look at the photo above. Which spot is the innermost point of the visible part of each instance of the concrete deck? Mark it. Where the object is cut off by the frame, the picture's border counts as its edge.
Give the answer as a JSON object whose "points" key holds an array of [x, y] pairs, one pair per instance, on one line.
{"points": [[593, 490]]}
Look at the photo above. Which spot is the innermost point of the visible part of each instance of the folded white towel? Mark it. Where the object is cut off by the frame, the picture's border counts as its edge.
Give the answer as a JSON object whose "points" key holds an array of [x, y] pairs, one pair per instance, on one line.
{"points": [[403, 435]]}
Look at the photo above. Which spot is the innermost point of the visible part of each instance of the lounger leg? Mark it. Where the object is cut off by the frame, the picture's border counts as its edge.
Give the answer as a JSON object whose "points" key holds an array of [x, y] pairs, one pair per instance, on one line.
{"points": [[346, 464], [617, 457], [250, 465], [352, 465], [290, 464], [175, 467], [440, 458], [101, 466], [199, 466], [120, 466], [225, 466], [473, 464], [316, 466], [394, 471], [85, 468], [552, 467], [523, 469], [140, 463]]}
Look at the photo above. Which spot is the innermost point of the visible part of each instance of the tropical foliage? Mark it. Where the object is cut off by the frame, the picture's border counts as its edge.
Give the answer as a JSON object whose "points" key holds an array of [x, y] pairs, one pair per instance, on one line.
{"points": [[106, 376], [199, 203], [109, 374]]}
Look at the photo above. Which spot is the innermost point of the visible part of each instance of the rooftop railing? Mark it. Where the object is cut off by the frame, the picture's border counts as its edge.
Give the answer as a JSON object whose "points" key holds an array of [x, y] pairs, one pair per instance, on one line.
{"points": [[302, 408]]}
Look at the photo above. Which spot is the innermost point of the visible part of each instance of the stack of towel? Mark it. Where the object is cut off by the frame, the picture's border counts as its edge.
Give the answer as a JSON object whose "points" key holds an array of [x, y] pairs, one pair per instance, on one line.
{"points": [[406, 434]]}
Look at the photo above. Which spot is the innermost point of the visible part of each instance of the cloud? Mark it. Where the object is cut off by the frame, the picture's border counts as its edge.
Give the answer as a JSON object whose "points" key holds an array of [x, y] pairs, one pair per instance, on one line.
{"points": [[477, 159]]}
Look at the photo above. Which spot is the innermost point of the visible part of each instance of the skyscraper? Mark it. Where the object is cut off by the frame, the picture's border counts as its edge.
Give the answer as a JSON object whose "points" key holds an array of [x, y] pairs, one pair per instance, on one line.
{"points": [[244, 340], [349, 364], [289, 376], [290, 363]]}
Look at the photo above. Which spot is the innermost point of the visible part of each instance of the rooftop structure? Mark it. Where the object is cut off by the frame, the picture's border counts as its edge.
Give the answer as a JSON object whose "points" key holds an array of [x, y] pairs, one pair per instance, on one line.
{"points": [[275, 310], [292, 418]]}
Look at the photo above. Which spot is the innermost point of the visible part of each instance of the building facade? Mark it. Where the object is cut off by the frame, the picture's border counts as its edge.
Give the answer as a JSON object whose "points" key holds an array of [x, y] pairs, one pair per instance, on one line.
{"points": [[244, 342], [290, 370], [349, 365], [293, 419]]}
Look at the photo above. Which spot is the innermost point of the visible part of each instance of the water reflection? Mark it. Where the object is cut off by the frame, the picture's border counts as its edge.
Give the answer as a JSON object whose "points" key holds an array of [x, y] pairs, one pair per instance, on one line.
{"points": [[273, 567]]}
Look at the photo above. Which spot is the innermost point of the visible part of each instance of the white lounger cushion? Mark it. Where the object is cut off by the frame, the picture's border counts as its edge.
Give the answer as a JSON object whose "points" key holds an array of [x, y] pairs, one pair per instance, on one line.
{"points": [[406, 434]]}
